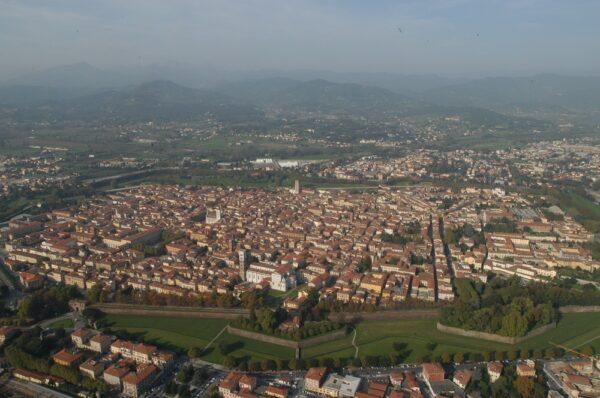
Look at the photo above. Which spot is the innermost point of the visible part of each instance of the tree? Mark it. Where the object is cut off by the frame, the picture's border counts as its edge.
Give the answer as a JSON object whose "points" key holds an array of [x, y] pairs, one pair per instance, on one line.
{"points": [[459, 357], [512, 355], [229, 361], [525, 386], [446, 357], [171, 388], [488, 356], [185, 374], [365, 264], [254, 366], [524, 353], [296, 364], [266, 319], [194, 352], [223, 347], [588, 350], [399, 346], [267, 364], [183, 391], [69, 374]]}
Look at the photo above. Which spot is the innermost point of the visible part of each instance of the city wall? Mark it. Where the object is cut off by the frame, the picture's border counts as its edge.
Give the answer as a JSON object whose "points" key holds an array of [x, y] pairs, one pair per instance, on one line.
{"points": [[170, 311], [324, 338], [494, 337], [571, 309], [383, 315]]}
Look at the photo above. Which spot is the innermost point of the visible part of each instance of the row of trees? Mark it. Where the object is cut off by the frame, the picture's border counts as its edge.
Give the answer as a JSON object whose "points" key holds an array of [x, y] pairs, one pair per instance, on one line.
{"points": [[129, 295], [335, 306], [398, 357]]}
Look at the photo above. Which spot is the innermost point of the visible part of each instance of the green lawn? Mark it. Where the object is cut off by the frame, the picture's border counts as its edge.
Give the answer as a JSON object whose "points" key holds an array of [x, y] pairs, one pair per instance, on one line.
{"points": [[183, 333], [179, 332], [248, 349], [63, 323], [373, 338], [377, 338]]}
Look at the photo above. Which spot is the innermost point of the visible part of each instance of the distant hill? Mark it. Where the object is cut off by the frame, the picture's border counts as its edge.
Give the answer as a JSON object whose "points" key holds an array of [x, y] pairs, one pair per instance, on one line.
{"points": [[79, 75], [539, 93], [158, 101], [317, 95], [328, 97], [19, 95], [238, 102]]}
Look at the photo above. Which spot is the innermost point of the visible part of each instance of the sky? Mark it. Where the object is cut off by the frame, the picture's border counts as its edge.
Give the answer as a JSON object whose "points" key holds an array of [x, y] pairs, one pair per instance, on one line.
{"points": [[449, 37]]}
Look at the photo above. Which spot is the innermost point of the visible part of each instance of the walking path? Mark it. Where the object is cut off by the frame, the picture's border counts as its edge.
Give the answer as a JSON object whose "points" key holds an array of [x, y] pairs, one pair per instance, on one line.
{"points": [[215, 338], [354, 344], [587, 342]]}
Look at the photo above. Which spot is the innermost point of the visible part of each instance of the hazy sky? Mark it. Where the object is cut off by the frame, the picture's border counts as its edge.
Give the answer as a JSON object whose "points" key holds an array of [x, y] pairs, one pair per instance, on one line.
{"points": [[446, 37]]}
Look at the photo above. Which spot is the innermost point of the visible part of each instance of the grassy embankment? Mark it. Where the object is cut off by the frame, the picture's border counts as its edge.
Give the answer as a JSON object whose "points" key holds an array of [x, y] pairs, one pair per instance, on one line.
{"points": [[373, 338]]}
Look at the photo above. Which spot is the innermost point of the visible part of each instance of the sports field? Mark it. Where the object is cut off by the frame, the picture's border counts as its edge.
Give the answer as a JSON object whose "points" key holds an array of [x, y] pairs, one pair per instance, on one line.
{"points": [[373, 338]]}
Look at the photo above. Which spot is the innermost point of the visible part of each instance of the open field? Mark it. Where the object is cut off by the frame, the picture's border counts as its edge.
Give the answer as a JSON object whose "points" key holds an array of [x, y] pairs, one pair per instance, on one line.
{"points": [[373, 338], [183, 333], [62, 323], [378, 337], [180, 332]]}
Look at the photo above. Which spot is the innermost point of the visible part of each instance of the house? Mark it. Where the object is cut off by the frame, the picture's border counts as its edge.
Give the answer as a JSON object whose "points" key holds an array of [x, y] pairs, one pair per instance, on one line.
{"points": [[67, 357], [77, 305], [526, 369], [314, 379], [337, 386], [277, 392], [37, 377], [433, 372], [247, 382], [229, 385], [115, 373], [136, 383], [396, 378], [100, 343], [92, 368], [462, 378], [494, 370], [81, 336], [30, 280], [142, 353]]}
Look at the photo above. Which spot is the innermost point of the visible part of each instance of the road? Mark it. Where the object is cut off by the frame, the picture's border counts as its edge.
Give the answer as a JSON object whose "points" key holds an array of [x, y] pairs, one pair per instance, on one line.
{"points": [[123, 175], [23, 388], [14, 294]]}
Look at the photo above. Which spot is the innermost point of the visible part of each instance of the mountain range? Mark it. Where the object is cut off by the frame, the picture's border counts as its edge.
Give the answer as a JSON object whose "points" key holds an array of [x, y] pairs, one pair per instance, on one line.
{"points": [[84, 92]]}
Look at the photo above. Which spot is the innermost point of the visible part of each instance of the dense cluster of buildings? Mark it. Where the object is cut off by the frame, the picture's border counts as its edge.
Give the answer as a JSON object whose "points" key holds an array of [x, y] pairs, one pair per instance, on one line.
{"points": [[33, 173], [545, 161], [576, 378], [363, 248]]}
